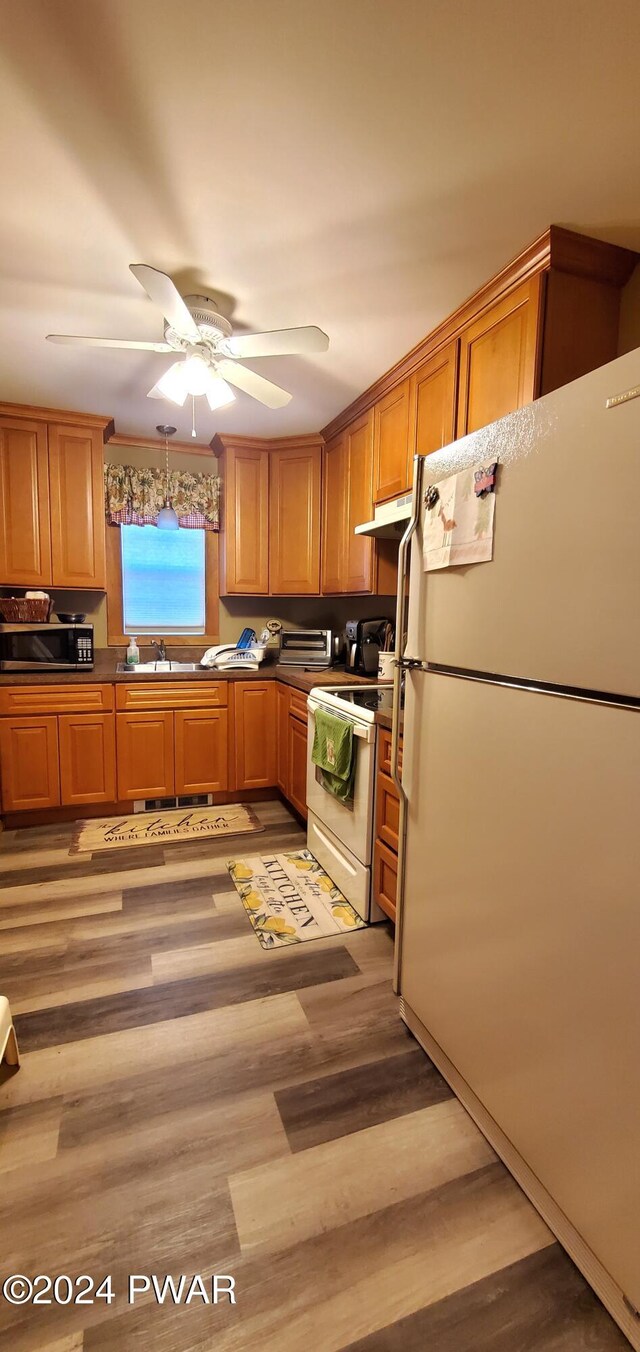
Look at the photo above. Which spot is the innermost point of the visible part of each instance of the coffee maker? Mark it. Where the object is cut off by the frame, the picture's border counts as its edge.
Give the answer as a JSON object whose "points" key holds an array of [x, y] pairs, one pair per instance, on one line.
{"points": [[365, 638]]}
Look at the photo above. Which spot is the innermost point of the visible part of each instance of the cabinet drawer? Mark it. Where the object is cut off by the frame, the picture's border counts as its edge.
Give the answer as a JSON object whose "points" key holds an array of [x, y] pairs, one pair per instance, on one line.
{"points": [[298, 704], [56, 699], [183, 695], [384, 751], [385, 879], [387, 812]]}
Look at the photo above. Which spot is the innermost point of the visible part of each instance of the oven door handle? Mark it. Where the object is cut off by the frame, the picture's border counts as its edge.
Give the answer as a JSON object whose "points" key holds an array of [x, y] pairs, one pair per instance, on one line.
{"points": [[366, 734]]}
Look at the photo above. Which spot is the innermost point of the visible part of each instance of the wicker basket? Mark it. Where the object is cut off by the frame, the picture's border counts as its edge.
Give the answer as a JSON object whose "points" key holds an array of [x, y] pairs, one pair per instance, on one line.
{"points": [[24, 610]]}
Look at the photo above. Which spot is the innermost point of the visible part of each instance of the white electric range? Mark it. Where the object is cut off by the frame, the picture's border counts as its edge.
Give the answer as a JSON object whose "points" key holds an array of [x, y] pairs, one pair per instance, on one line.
{"points": [[340, 835]]}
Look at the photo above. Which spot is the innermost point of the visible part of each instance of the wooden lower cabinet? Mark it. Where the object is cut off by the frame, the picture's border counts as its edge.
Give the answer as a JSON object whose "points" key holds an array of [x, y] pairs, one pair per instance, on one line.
{"points": [[385, 850], [29, 763], [385, 878], [297, 749], [255, 734], [282, 738], [201, 751], [87, 750], [145, 754]]}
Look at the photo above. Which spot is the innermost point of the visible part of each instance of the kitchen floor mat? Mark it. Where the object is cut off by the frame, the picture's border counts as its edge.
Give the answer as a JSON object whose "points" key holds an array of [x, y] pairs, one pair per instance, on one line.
{"points": [[289, 899], [163, 828]]}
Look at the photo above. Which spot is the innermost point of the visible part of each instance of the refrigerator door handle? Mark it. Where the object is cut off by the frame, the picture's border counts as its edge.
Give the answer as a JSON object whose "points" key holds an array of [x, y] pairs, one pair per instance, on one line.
{"points": [[401, 662]]}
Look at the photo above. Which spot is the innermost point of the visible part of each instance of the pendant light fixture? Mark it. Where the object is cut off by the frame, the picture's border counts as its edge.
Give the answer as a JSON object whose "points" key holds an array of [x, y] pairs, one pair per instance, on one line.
{"points": [[167, 519]]}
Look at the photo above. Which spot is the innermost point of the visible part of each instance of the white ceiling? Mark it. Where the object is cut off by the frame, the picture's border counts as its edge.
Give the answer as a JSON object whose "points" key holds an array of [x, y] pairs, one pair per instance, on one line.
{"points": [[358, 164]]}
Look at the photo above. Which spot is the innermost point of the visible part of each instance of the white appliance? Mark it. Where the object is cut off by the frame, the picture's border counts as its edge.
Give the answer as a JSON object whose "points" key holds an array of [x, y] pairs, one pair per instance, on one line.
{"points": [[341, 836], [519, 866]]}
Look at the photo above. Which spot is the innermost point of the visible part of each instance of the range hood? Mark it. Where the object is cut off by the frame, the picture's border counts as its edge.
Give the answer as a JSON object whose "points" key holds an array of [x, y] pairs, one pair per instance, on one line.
{"points": [[389, 519]]}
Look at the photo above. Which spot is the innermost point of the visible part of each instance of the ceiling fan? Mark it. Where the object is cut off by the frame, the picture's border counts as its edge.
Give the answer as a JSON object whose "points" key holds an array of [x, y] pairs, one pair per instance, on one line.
{"points": [[209, 354]]}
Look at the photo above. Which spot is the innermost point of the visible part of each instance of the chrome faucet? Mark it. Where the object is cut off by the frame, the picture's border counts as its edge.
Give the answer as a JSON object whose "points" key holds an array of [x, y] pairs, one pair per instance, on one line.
{"points": [[160, 649]]}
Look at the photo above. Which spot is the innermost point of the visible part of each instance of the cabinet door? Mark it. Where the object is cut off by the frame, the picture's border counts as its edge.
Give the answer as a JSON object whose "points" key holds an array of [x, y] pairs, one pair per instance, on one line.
{"points": [[385, 878], [298, 765], [391, 444], [144, 743], [25, 536], [387, 812], [202, 750], [294, 519], [358, 549], [282, 738], [87, 758], [29, 763], [245, 542], [255, 739], [77, 506], [498, 359], [334, 516], [432, 402]]}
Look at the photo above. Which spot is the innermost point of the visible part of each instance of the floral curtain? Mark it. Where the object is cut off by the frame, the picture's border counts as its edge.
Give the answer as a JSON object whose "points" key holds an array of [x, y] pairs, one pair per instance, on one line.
{"points": [[133, 497]]}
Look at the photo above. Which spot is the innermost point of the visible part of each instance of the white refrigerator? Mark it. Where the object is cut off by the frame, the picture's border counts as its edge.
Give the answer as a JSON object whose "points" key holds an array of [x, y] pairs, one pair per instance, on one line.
{"points": [[518, 938]]}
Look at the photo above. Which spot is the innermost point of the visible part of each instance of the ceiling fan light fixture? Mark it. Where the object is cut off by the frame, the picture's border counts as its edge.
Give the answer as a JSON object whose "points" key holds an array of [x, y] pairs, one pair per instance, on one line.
{"points": [[218, 393], [195, 374], [172, 384]]}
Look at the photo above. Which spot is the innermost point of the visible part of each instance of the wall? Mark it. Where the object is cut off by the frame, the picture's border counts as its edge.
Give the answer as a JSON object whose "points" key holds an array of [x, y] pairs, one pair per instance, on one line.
{"points": [[236, 612]]}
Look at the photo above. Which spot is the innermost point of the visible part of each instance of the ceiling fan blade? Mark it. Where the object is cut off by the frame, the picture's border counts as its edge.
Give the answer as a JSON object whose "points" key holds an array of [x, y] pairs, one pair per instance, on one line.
{"points": [[76, 341], [163, 292], [171, 385], [278, 343], [263, 390]]}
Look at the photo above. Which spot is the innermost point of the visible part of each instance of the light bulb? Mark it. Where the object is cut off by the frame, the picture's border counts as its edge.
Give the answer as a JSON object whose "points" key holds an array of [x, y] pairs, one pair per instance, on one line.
{"points": [[195, 374]]}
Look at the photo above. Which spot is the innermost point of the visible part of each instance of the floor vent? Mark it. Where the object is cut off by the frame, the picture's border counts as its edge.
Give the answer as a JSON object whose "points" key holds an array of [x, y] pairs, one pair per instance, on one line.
{"points": [[185, 800]]}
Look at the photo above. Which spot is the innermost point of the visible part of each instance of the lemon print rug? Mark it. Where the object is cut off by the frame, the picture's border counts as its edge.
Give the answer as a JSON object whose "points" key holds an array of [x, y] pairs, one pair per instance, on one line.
{"points": [[289, 899]]}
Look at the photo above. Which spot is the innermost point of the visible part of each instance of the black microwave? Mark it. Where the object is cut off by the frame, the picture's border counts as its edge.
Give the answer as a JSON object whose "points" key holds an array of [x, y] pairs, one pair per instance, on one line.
{"points": [[46, 647]]}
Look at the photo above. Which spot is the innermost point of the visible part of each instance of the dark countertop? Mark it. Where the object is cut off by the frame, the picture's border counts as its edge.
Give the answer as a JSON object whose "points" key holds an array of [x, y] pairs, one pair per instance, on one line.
{"points": [[107, 659]]}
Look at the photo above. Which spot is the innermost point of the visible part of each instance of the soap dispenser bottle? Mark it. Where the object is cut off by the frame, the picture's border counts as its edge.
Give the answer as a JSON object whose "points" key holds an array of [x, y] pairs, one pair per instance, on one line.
{"points": [[133, 653]]}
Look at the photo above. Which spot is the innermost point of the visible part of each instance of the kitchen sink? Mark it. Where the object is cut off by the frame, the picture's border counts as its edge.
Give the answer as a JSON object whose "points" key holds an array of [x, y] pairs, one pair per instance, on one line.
{"points": [[146, 667]]}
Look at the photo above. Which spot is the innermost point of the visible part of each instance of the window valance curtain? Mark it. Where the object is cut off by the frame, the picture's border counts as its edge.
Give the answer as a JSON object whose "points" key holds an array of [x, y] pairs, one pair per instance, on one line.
{"points": [[133, 497]]}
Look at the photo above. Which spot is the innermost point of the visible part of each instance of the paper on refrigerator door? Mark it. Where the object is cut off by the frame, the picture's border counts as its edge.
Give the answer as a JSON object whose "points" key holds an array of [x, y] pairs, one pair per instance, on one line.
{"points": [[458, 526]]}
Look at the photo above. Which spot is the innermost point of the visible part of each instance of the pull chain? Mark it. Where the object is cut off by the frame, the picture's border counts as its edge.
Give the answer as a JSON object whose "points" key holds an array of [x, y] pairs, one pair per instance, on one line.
{"points": [[193, 415]]}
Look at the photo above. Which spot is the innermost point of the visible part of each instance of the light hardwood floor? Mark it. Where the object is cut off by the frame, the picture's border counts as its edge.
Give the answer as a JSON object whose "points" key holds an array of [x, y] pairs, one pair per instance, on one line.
{"points": [[189, 1104]]}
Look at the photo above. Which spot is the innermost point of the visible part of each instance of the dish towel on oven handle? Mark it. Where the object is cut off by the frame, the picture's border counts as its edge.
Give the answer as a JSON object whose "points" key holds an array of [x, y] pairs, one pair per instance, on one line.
{"points": [[334, 755]]}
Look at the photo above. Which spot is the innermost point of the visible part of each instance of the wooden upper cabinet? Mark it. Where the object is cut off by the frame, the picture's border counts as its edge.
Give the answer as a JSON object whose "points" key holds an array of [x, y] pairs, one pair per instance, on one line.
{"points": [[391, 443], [87, 758], [359, 551], [432, 402], [255, 734], [334, 505], [295, 476], [499, 358], [25, 535], [29, 760], [77, 506], [245, 542]]}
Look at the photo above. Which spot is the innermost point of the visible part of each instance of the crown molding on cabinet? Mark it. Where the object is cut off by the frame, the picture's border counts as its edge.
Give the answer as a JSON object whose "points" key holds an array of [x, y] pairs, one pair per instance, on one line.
{"points": [[59, 415], [157, 444], [221, 442], [557, 248]]}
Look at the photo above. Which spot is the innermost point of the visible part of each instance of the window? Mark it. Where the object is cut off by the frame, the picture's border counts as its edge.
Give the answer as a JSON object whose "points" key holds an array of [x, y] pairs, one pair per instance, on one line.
{"points": [[163, 580]]}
